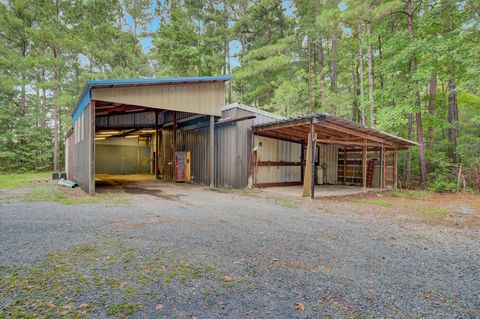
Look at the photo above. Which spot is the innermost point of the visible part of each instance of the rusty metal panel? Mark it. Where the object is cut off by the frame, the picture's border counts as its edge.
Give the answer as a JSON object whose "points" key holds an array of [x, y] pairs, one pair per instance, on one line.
{"points": [[201, 98]]}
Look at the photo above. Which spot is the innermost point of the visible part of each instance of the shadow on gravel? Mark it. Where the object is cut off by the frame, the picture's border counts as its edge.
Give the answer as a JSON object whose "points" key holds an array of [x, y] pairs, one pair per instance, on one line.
{"points": [[152, 192]]}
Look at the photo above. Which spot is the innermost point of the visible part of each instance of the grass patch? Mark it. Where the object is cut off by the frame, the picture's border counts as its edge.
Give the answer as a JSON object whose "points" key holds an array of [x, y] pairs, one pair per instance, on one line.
{"points": [[412, 194], [436, 212], [55, 193], [184, 272], [122, 310], [95, 279], [9, 181], [286, 202], [223, 189], [378, 202]]}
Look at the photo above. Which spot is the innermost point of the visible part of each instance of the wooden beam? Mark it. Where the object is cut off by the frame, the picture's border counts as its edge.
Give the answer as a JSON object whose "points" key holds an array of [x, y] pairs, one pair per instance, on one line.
{"points": [[352, 143], [278, 137], [381, 183], [364, 166], [156, 146], [262, 185], [285, 124], [395, 171], [344, 163], [211, 150], [174, 145], [350, 131], [268, 163]]}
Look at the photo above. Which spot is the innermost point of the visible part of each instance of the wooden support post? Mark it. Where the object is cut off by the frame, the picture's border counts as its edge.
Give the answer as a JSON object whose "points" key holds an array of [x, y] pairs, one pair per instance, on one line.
{"points": [[156, 146], [174, 145], [91, 186], [364, 166], [309, 177], [211, 150], [395, 172], [344, 165], [381, 183], [312, 159]]}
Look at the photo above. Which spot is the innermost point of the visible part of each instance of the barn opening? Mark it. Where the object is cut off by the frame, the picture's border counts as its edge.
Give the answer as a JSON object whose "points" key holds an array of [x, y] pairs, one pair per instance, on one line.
{"points": [[150, 129], [345, 158]]}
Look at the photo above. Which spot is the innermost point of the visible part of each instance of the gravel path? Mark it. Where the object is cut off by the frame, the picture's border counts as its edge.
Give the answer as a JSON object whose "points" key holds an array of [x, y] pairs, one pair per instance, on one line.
{"points": [[333, 263]]}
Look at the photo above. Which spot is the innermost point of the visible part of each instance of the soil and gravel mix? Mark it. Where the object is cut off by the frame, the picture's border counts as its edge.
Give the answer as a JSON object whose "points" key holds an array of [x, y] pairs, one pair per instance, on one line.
{"points": [[179, 251]]}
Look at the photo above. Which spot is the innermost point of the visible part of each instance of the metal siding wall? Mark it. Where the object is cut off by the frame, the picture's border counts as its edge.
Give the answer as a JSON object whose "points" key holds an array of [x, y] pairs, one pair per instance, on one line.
{"points": [[233, 147], [276, 151], [121, 156], [166, 154], [83, 140], [329, 160], [69, 155], [196, 142], [201, 98]]}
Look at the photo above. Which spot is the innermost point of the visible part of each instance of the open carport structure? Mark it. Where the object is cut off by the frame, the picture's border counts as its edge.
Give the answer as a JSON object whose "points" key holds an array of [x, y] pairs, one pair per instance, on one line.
{"points": [[343, 153], [140, 125]]}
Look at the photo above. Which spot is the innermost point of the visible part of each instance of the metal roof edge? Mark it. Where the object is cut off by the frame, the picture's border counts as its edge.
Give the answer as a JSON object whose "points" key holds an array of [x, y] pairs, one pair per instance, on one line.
{"points": [[93, 83], [253, 110], [326, 115]]}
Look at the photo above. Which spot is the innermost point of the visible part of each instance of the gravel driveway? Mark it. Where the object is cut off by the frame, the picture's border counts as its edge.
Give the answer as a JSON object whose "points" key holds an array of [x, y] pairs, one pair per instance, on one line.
{"points": [[180, 251]]}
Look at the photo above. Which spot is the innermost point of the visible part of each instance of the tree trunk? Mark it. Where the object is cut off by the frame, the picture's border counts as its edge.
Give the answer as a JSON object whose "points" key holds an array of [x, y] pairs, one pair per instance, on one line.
{"points": [[371, 81], [56, 136], [321, 60], [452, 120], [362, 93], [354, 90], [413, 67], [421, 147], [333, 66], [380, 57], [432, 92], [43, 102], [408, 164]]}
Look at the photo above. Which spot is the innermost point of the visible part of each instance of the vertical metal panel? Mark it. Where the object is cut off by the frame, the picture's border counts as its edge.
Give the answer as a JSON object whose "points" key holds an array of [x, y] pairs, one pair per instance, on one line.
{"points": [[233, 147], [83, 139], [166, 154], [69, 155], [201, 98], [196, 142], [277, 151], [329, 163], [122, 156]]}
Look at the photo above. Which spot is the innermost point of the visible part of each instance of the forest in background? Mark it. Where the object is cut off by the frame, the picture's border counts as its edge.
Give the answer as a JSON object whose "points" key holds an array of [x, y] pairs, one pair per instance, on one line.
{"points": [[408, 67]]}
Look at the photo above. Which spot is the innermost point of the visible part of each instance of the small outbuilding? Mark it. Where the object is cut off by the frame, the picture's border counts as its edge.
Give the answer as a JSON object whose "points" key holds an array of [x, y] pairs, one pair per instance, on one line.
{"points": [[180, 130]]}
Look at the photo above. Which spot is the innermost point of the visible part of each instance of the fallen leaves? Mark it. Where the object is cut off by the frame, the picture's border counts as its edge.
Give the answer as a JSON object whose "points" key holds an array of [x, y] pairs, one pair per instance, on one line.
{"points": [[228, 278], [300, 307], [159, 307]]}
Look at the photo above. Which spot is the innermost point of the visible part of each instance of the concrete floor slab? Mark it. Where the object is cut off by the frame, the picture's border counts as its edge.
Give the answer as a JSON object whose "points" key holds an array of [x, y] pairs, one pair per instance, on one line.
{"points": [[321, 190]]}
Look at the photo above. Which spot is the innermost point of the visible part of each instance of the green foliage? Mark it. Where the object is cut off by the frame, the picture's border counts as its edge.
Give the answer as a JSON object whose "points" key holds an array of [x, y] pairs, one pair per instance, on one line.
{"points": [[48, 50], [441, 185]]}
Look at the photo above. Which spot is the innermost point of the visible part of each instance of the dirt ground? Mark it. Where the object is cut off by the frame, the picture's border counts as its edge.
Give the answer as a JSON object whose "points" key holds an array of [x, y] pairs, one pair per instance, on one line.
{"points": [[144, 249]]}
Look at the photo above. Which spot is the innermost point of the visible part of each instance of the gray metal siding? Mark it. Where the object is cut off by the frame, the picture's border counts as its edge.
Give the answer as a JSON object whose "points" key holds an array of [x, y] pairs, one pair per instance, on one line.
{"points": [[233, 147], [83, 142], [196, 142]]}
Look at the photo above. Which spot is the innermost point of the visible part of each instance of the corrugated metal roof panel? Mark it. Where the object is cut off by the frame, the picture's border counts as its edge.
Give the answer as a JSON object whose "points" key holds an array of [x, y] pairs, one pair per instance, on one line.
{"points": [[85, 95]]}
